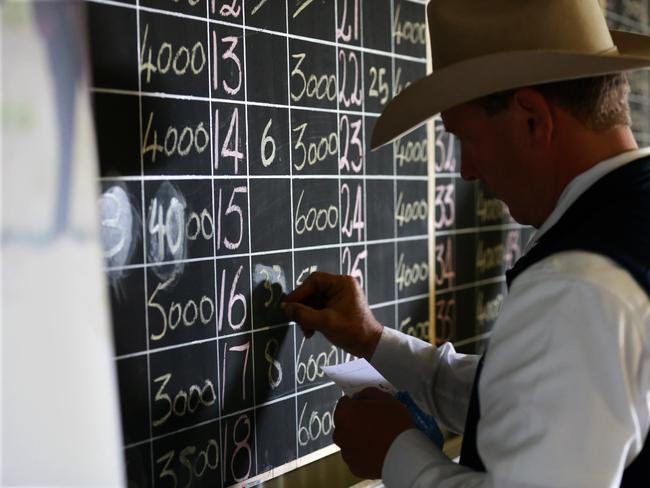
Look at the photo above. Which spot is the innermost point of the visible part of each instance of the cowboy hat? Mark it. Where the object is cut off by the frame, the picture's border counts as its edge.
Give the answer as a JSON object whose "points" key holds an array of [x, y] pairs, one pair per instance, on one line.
{"points": [[481, 47]]}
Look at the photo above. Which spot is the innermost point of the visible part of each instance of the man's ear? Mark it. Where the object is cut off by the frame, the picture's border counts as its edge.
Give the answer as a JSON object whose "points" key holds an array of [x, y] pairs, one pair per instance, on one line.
{"points": [[534, 114]]}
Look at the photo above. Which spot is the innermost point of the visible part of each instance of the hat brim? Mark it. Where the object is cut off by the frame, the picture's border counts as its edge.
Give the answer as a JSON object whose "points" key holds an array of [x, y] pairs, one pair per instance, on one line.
{"points": [[493, 73]]}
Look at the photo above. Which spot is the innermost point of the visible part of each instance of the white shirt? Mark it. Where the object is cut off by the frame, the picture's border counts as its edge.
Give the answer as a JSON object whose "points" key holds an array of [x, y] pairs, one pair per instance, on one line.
{"points": [[565, 387]]}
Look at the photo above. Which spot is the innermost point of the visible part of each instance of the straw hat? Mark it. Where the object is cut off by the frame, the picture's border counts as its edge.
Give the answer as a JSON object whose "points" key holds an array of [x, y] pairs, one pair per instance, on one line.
{"points": [[480, 47]]}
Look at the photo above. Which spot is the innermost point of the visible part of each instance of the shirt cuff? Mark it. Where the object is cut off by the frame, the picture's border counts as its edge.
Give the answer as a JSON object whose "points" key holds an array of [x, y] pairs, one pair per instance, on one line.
{"points": [[392, 349], [391, 343], [409, 454]]}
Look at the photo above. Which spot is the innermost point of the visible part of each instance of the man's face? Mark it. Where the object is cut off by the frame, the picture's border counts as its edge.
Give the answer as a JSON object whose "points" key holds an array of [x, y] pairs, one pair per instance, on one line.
{"points": [[493, 150]]}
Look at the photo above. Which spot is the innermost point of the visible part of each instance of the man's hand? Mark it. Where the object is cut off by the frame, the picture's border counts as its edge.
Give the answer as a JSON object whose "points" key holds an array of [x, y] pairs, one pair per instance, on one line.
{"points": [[365, 427], [335, 305]]}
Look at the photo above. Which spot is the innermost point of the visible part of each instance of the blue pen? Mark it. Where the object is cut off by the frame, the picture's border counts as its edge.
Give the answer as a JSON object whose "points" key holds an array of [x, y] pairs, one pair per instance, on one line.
{"points": [[424, 422]]}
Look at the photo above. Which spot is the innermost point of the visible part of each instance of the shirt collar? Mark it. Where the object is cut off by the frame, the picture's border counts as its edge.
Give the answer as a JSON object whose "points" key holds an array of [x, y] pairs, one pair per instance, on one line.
{"points": [[580, 184]]}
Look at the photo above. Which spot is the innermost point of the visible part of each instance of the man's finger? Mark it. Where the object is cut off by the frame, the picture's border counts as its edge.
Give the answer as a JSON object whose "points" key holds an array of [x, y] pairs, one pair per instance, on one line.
{"points": [[307, 332], [305, 290], [306, 316], [317, 283]]}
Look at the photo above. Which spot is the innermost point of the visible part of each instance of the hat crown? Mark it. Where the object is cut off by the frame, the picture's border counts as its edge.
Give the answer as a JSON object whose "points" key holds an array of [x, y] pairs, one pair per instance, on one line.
{"points": [[465, 29]]}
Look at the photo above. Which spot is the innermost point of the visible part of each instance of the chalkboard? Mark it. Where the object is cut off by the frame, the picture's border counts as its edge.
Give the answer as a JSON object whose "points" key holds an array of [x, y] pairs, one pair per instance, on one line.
{"points": [[234, 153], [234, 150]]}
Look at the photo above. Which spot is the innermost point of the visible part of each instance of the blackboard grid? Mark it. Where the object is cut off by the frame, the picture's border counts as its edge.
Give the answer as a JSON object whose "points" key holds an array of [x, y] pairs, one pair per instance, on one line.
{"points": [[155, 457], [146, 287], [293, 256], [364, 138], [250, 249], [394, 149], [305, 248], [338, 118], [214, 244]]}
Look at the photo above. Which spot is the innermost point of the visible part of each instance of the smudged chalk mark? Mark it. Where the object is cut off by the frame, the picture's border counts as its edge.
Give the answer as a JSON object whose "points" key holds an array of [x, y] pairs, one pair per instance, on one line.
{"points": [[166, 240]]}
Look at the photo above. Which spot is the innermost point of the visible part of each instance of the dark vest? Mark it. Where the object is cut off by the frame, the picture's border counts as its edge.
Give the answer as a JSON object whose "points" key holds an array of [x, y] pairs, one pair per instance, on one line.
{"points": [[611, 218]]}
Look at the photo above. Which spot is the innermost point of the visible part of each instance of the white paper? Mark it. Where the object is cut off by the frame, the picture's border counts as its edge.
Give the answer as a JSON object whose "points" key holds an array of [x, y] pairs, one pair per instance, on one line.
{"points": [[354, 376]]}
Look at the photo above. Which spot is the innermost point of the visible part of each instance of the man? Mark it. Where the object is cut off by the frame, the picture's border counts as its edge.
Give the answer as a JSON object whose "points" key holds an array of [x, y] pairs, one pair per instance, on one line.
{"points": [[561, 397]]}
